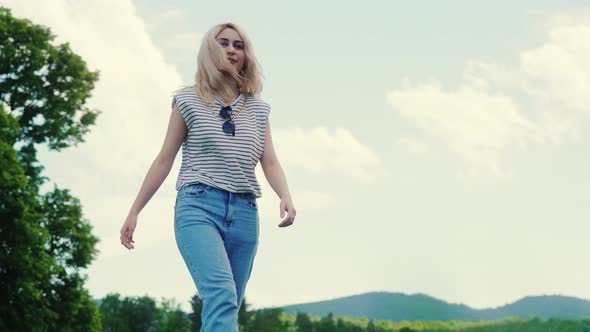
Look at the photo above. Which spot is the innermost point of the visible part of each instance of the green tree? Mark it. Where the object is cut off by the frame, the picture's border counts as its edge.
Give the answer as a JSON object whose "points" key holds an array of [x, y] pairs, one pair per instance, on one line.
{"points": [[141, 313], [372, 327], [327, 323], [24, 262], [266, 320], [44, 241], [244, 315], [340, 326], [130, 314], [406, 329], [45, 85], [303, 322], [111, 308], [195, 316], [172, 318]]}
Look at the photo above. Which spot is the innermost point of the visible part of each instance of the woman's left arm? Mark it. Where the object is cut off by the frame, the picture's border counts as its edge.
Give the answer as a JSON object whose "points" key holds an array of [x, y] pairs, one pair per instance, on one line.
{"points": [[276, 178]]}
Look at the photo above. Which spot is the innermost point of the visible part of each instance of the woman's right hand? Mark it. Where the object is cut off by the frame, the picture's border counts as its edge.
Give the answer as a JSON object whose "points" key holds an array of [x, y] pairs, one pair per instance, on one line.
{"points": [[127, 231]]}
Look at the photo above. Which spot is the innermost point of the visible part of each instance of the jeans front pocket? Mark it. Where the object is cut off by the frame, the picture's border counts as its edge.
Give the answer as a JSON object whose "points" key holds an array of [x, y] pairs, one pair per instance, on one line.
{"points": [[195, 190]]}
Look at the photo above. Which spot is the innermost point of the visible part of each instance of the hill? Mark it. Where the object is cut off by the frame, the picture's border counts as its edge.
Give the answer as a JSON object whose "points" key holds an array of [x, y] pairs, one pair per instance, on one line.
{"points": [[414, 307]]}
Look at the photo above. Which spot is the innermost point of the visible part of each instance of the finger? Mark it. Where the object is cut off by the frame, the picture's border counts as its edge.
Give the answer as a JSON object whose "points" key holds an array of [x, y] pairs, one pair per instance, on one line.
{"points": [[291, 213], [125, 242], [130, 238], [282, 209], [288, 218], [286, 222], [128, 245]]}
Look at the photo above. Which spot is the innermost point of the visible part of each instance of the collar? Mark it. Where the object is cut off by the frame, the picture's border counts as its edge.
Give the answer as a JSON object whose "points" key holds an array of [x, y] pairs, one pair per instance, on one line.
{"points": [[233, 104]]}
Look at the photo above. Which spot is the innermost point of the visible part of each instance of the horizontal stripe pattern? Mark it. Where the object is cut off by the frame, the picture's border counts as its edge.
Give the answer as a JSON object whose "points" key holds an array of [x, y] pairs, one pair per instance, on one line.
{"points": [[213, 157]]}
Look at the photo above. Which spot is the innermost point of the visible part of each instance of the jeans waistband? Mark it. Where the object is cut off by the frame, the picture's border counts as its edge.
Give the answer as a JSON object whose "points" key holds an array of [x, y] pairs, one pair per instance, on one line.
{"points": [[209, 187]]}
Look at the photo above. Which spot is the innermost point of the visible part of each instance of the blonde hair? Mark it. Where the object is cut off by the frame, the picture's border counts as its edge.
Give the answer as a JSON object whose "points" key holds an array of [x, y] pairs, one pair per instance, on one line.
{"points": [[216, 75]]}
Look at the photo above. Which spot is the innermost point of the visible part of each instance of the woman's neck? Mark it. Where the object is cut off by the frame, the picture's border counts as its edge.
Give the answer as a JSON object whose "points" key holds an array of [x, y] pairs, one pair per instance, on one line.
{"points": [[228, 93]]}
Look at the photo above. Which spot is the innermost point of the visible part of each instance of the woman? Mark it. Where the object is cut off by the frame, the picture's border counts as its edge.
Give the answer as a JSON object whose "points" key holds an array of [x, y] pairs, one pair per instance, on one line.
{"points": [[224, 130]]}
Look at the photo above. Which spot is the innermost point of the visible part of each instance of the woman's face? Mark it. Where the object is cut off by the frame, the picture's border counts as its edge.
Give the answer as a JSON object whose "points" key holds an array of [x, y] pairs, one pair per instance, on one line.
{"points": [[230, 40]]}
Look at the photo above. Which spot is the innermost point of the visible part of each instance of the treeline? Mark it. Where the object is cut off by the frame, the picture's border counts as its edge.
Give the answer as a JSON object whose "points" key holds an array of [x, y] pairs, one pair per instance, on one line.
{"points": [[140, 314], [143, 313]]}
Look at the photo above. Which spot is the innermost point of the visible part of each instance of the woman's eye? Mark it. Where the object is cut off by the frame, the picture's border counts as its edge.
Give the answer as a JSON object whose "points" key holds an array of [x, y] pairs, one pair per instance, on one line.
{"points": [[239, 46]]}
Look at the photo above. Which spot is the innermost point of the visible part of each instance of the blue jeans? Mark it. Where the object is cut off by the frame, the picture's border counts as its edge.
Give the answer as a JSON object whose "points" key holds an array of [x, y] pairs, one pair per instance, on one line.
{"points": [[217, 234]]}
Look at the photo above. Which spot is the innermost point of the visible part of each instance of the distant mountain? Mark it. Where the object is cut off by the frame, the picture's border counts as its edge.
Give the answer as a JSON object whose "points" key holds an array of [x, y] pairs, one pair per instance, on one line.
{"points": [[399, 306], [545, 306]]}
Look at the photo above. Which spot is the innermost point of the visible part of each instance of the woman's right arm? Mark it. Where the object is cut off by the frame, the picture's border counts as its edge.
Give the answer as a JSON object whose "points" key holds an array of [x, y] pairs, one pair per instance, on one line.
{"points": [[157, 173]]}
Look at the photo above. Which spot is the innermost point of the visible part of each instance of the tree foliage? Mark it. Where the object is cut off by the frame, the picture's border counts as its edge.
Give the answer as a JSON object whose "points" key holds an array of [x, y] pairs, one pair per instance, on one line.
{"points": [[195, 316], [45, 85], [140, 314], [266, 320], [303, 322], [44, 240]]}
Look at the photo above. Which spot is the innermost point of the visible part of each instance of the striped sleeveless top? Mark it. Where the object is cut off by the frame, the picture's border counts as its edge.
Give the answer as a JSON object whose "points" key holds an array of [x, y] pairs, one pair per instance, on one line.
{"points": [[213, 157]]}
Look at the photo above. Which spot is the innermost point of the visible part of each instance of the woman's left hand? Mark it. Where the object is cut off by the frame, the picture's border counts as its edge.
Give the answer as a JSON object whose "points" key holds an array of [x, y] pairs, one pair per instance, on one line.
{"points": [[287, 206]]}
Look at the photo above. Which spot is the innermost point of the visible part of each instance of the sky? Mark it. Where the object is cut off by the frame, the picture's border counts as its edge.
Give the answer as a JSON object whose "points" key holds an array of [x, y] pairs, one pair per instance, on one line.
{"points": [[430, 147]]}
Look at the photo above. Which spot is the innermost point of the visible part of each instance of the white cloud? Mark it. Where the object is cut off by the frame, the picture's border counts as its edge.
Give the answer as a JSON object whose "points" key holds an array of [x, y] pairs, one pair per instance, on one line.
{"points": [[165, 28], [559, 70], [333, 153], [414, 146], [476, 125], [304, 200], [498, 106]]}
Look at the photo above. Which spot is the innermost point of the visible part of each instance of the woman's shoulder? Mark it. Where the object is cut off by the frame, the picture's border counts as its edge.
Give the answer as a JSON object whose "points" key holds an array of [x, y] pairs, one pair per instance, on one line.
{"points": [[186, 94], [258, 102]]}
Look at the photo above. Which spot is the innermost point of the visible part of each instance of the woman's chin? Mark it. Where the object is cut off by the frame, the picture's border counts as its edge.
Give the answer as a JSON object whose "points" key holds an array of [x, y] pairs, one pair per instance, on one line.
{"points": [[229, 69]]}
